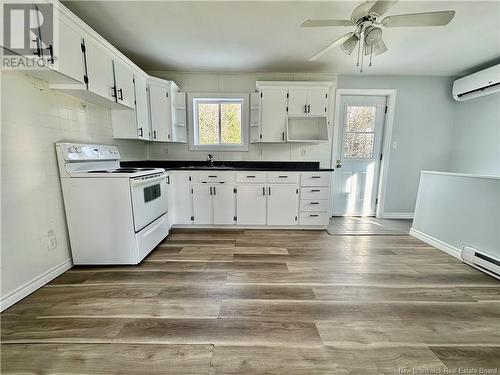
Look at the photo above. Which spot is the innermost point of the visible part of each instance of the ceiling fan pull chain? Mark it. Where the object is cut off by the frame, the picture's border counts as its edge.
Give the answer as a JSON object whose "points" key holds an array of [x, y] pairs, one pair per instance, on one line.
{"points": [[359, 48], [371, 54]]}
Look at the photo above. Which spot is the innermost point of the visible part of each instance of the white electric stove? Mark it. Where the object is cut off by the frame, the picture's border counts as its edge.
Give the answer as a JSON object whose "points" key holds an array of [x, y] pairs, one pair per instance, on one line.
{"points": [[114, 215]]}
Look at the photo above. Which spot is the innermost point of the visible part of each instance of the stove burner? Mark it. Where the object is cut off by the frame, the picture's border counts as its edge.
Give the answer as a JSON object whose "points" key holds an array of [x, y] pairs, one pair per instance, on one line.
{"points": [[101, 171], [124, 170]]}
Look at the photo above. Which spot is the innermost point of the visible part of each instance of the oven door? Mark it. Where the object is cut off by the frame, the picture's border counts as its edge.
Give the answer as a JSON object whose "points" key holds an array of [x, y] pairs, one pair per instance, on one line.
{"points": [[149, 199]]}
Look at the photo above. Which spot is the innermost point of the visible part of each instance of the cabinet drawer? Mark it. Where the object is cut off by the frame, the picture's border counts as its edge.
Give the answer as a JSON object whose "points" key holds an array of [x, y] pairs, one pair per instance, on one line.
{"points": [[283, 177], [251, 177], [314, 218], [213, 176], [314, 205], [315, 179], [313, 193]]}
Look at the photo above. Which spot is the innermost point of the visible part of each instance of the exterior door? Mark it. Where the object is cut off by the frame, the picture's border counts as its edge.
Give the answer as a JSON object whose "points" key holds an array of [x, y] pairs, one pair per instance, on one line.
{"points": [[273, 114], [251, 204], [358, 155], [223, 204], [202, 204], [282, 204]]}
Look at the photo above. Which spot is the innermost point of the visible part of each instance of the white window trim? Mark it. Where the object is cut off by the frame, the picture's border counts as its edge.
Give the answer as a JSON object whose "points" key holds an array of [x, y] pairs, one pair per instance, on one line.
{"points": [[245, 126]]}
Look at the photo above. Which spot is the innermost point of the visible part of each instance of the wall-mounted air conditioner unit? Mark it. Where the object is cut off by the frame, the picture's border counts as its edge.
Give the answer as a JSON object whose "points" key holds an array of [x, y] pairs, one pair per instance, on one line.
{"points": [[482, 261], [481, 83]]}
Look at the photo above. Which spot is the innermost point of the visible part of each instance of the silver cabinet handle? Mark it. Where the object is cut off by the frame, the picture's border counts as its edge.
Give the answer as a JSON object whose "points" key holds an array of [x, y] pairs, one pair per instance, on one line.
{"points": [[215, 193], [269, 190]]}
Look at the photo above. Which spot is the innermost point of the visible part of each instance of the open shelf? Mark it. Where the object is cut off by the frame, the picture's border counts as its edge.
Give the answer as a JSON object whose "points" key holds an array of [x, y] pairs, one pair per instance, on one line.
{"points": [[307, 129]]}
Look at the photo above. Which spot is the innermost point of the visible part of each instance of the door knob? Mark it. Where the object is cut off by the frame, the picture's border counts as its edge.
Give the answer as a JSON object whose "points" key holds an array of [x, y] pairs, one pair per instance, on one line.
{"points": [[338, 164]]}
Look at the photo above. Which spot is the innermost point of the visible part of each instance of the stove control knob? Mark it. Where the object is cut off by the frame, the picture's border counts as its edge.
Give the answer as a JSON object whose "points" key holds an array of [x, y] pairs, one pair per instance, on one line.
{"points": [[78, 150], [72, 150], [112, 151]]}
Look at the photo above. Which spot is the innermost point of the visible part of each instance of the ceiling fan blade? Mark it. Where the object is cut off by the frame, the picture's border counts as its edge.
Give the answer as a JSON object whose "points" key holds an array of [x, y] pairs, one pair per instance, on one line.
{"points": [[336, 43], [378, 48], [322, 23], [441, 18], [381, 7]]}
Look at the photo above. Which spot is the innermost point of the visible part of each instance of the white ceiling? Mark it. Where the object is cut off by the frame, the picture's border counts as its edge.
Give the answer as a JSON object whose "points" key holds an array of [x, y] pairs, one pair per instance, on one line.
{"points": [[265, 36]]}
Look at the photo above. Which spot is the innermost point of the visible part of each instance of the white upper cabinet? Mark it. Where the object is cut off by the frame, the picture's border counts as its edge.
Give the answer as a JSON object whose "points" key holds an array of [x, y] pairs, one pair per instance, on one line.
{"points": [[68, 56], [160, 111], [317, 101], [141, 106], [297, 101], [293, 111], [179, 114], [308, 101], [273, 103], [124, 84], [133, 124], [255, 130], [99, 62]]}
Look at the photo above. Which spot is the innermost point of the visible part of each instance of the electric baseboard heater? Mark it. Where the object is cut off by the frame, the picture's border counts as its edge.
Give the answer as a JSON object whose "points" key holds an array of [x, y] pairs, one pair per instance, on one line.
{"points": [[487, 263]]}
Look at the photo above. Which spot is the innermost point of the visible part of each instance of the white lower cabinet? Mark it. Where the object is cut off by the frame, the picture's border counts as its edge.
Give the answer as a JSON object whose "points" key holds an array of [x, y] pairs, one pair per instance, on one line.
{"points": [[179, 203], [282, 204], [213, 204], [223, 206], [251, 202], [249, 198]]}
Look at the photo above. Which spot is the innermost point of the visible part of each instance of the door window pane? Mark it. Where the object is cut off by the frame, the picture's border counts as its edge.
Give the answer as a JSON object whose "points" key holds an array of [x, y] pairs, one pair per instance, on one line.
{"points": [[208, 123], [360, 118], [230, 123], [359, 145]]}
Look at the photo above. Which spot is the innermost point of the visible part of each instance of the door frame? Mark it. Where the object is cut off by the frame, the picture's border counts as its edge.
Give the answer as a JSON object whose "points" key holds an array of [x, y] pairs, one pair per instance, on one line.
{"points": [[390, 95]]}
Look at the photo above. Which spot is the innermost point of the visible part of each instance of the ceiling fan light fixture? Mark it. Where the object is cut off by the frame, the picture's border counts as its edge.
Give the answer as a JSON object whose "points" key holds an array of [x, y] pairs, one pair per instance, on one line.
{"points": [[372, 35], [349, 45]]}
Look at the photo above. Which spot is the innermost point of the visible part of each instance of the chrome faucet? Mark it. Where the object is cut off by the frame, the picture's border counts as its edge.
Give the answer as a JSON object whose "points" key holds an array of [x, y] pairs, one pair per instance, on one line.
{"points": [[210, 160]]}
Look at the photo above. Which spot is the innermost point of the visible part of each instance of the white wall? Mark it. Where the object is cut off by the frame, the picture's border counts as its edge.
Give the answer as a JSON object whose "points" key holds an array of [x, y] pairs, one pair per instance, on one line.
{"points": [[227, 83], [33, 118], [423, 125], [476, 136], [446, 220]]}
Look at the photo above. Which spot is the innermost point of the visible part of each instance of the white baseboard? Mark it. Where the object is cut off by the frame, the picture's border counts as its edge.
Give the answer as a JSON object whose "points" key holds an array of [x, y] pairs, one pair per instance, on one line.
{"points": [[397, 215], [31, 286], [447, 248]]}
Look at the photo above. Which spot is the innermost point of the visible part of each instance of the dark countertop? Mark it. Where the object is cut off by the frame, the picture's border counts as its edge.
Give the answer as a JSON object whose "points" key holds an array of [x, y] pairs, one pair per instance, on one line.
{"points": [[193, 165]]}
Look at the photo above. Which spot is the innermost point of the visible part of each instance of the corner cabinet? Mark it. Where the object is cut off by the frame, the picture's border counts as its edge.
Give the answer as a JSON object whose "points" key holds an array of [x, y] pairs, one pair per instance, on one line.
{"points": [[293, 111], [167, 111]]}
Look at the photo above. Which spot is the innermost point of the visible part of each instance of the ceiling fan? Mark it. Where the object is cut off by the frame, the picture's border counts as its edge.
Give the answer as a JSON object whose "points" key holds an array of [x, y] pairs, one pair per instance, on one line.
{"points": [[368, 33]]}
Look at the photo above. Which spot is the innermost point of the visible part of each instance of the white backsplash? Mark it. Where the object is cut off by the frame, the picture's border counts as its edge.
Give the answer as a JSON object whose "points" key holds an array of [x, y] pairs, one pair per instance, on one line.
{"points": [[33, 119]]}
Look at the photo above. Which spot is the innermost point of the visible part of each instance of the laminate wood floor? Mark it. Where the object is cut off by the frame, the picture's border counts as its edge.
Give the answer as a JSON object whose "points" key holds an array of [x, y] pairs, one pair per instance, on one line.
{"points": [[262, 302]]}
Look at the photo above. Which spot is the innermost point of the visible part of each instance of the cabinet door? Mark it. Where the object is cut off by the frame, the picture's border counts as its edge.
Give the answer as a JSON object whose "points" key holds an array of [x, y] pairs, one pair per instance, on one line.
{"points": [[69, 60], [141, 107], [273, 113], [223, 204], [180, 199], [160, 112], [251, 204], [297, 101], [99, 70], [202, 203], [124, 79], [317, 101], [282, 204]]}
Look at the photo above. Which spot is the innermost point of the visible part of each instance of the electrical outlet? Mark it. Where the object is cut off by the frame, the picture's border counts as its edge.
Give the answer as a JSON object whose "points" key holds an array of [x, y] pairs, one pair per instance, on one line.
{"points": [[51, 239], [394, 145]]}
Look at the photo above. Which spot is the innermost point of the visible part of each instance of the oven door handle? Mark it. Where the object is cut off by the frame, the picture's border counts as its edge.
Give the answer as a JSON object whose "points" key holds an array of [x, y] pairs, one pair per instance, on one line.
{"points": [[137, 181]]}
